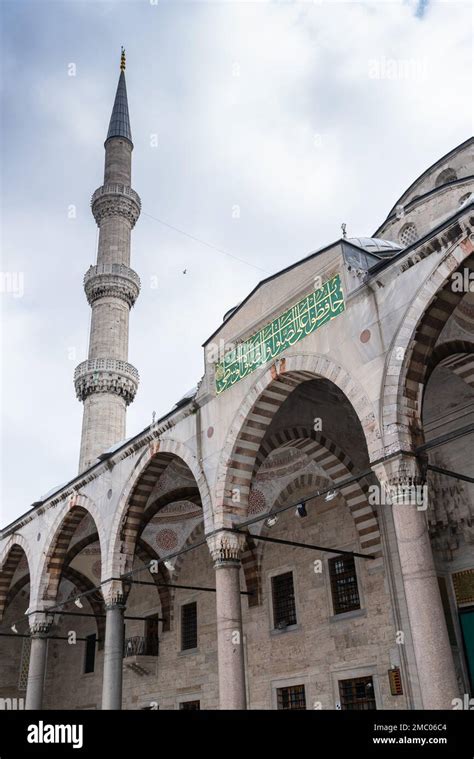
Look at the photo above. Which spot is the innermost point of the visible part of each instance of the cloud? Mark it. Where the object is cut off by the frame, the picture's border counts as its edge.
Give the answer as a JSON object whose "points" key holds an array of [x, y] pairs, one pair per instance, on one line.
{"points": [[272, 107]]}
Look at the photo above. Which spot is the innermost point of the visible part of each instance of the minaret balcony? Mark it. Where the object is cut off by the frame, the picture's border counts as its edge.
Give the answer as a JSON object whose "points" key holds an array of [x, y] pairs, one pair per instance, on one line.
{"points": [[106, 375], [111, 281], [116, 200]]}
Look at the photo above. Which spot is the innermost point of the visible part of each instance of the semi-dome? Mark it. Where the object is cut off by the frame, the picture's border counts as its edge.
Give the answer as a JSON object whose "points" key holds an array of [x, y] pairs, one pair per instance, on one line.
{"points": [[376, 245]]}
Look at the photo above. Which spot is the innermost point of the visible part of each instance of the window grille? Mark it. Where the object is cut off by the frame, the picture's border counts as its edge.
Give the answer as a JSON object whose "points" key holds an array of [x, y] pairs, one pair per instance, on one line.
{"points": [[188, 626], [291, 698], [357, 694], [345, 593], [408, 235], [283, 594]]}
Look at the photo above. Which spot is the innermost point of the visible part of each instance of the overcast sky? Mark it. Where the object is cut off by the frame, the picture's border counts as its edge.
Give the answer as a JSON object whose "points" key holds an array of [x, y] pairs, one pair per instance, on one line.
{"points": [[303, 115]]}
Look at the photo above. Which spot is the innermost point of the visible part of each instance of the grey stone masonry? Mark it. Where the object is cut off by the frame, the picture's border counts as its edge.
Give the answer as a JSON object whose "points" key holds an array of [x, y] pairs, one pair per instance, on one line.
{"points": [[106, 383]]}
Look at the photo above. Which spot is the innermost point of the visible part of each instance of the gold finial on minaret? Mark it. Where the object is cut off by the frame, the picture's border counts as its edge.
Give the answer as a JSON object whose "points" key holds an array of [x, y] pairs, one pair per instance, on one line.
{"points": [[122, 60]]}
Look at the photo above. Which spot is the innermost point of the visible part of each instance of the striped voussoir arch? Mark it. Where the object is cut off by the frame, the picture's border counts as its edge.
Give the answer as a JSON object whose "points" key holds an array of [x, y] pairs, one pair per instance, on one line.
{"points": [[338, 467], [294, 489], [456, 355], [422, 345], [59, 549], [13, 558], [133, 517], [138, 518], [241, 465]]}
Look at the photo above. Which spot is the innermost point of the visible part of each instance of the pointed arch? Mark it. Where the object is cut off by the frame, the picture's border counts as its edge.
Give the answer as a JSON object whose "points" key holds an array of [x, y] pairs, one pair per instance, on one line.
{"points": [[408, 361], [15, 549], [338, 467], [58, 546], [128, 519], [260, 405], [456, 355]]}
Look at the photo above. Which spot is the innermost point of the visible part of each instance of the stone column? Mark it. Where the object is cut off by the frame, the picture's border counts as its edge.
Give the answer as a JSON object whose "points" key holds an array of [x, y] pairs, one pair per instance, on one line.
{"points": [[40, 625], [225, 548], [405, 490], [113, 647]]}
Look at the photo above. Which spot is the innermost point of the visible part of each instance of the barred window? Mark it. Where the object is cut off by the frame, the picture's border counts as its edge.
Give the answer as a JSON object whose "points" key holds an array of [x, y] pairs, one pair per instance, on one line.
{"points": [[291, 698], [345, 593], [89, 659], [189, 626], [190, 706], [284, 608], [357, 694], [408, 234]]}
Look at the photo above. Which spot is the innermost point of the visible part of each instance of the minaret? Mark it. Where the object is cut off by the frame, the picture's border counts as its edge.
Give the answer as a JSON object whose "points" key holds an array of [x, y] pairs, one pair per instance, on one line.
{"points": [[106, 382]]}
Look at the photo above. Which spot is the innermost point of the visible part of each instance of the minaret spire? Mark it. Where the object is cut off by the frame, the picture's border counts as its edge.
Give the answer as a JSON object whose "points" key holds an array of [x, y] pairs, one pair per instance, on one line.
{"points": [[120, 120], [106, 382]]}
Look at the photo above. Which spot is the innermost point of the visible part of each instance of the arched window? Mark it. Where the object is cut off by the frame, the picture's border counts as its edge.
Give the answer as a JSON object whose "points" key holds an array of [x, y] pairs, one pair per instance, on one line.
{"points": [[448, 175], [408, 234]]}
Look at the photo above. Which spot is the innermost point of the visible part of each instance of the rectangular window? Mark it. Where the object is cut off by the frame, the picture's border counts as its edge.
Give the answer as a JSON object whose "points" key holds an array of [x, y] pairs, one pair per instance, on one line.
{"points": [[189, 626], [291, 698], [190, 705], [345, 593], [89, 661], [284, 607], [357, 694]]}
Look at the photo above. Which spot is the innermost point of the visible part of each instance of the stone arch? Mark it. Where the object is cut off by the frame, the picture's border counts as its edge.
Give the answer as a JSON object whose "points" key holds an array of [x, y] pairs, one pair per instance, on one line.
{"points": [[338, 467], [15, 549], [456, 355], [408, 359], [301, 481], [128, 516], [56, 551], [259, 406]]}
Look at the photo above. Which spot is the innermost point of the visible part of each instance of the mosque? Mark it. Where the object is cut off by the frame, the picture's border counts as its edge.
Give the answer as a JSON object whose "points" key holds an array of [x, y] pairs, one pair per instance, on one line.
{"points": [[297, 531]]}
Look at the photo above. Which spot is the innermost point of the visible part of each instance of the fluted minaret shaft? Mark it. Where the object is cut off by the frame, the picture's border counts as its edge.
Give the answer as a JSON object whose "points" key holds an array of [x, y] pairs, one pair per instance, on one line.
{"points": [[106, 382]]}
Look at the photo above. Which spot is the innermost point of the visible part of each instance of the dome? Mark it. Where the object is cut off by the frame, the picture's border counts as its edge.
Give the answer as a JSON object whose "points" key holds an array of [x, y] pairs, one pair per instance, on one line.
{"points": [[376, 245], [230, 312]]}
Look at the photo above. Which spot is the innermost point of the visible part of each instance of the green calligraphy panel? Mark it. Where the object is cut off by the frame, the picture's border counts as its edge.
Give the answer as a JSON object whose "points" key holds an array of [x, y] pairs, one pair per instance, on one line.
{"points": [[290, 327]]}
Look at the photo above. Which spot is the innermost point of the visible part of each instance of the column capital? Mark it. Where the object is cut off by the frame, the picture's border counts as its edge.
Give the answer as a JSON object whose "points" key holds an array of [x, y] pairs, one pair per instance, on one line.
{"points": [[226, 547], [402, 470], [114, 594], [40, 623], [403, 481]]}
